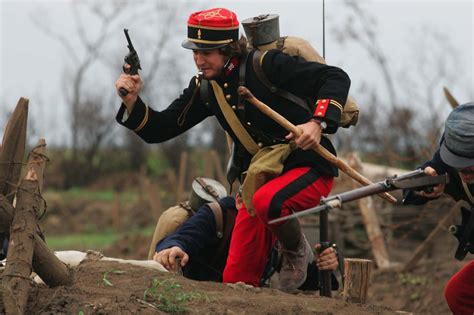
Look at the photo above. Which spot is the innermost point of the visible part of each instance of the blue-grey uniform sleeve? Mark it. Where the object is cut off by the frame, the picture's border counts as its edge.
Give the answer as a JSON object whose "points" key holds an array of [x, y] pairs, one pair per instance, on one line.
{"points": [[411, 197], [159, 126], [194, 234]]}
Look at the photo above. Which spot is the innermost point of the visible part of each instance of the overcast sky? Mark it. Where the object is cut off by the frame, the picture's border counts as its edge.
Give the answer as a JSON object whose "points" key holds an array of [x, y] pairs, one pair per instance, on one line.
{"points": [[32, 64]]}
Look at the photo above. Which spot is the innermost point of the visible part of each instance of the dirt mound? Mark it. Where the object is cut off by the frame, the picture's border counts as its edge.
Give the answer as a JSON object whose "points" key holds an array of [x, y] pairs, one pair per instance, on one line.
{"points": [[419, 291], [114, 288]]}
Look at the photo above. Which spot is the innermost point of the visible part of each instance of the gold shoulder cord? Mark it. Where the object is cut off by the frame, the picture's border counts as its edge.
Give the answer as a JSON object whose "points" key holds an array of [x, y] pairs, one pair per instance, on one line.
{"points": [[233, 121]]}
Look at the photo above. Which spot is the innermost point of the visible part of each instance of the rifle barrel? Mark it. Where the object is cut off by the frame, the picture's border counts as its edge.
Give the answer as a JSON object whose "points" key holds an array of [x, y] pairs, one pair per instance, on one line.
{"points": [[365, 191], [336, 200]]}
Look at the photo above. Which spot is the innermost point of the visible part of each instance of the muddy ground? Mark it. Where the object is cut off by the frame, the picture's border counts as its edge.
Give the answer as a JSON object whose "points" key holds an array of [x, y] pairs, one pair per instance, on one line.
{"points": [[420, 291], [112, 288]]}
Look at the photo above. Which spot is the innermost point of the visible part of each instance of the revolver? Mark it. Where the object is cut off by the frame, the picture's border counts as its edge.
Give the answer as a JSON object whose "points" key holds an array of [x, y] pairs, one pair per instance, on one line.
{"points": [[132, 59]]}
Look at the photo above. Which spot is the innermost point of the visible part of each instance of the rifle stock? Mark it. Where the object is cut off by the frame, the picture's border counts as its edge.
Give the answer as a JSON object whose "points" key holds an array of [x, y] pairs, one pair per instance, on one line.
{"points": [[324, 275]]}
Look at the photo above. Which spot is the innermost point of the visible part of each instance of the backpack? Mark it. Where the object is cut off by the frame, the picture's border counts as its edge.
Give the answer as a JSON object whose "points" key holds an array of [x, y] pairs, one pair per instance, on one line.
{"points": [[263, 33], [296, 46]]}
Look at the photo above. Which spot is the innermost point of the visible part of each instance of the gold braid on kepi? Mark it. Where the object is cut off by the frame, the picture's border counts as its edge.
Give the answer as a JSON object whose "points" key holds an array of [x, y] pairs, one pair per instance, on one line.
{"points": [[211, 29]]}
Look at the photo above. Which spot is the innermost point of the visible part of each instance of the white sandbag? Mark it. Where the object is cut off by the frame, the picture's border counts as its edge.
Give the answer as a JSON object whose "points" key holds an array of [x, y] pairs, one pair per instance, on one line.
{"points": [[73, 258]]}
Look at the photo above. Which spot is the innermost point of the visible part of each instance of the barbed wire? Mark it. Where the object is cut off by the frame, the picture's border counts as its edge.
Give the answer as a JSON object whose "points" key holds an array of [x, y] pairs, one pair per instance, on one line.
{"points": [[45, 204]]}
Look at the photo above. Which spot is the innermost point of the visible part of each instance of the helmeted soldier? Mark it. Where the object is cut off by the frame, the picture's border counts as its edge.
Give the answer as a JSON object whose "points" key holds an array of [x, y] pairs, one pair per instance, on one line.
{"points": [[300, 177], [455, 157]]}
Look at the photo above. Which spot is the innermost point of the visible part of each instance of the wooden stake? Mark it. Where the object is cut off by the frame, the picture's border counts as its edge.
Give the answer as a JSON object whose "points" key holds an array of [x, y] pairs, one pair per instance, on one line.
{"points": [[13, 149], [423, 247], [220, 173], [371, 223], [6, 215], [50, 269], [181, 176], [451, 100], [356, 279], [328, 156], [16, 281], [209, 165]]}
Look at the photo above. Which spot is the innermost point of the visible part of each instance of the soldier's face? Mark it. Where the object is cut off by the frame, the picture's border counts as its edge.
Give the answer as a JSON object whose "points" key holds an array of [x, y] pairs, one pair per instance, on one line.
{"points": [[210, 62], [467, 174]]}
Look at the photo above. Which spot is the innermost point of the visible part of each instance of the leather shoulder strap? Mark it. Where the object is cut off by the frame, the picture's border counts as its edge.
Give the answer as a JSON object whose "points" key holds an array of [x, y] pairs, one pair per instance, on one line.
{"points": [[233, 121], [281, 42], [204, 91], [467, 191], [208, 188], [216, 210], [242, 72], [220, 257], [185, 205], [257, 67]]}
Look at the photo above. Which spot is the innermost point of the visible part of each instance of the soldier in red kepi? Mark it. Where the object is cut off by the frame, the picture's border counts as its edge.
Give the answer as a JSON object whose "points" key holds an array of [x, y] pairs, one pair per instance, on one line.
{"points": [[298, 176]]}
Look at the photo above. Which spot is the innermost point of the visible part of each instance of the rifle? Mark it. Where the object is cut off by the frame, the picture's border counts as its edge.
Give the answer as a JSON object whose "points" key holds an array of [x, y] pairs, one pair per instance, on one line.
{"points": [[132, 59], [415, 180], [464, 233]]}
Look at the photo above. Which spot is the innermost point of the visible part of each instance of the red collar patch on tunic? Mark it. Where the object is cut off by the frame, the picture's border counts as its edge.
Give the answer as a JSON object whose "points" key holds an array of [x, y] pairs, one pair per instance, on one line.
{"points": [[231, 65]]}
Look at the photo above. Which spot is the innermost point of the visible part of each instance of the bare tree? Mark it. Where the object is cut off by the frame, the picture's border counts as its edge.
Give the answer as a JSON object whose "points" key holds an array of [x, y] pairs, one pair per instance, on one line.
{"points": [[404, 127], [90, 52]]}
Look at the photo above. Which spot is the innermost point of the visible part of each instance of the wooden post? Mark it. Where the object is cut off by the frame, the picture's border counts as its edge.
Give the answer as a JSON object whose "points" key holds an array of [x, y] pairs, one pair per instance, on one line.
{"points": [[50, 269], [420, 251], [451, 100], [356, 279], [208, 165], [156, 208], [172, 181], [371, 223], [220, 173], [16, 282], [13, 149], [6, 215], [181, 176]]}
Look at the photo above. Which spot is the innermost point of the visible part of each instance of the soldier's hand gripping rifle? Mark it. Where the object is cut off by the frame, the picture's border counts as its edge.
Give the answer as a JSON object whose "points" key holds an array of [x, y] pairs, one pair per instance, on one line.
{"points": [[417, 180], [132, 59], [464, 233]]}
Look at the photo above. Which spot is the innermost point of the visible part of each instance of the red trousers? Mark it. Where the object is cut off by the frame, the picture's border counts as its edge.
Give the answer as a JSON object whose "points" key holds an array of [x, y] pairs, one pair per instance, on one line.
{"points": [[459, 291], [295, 190]]}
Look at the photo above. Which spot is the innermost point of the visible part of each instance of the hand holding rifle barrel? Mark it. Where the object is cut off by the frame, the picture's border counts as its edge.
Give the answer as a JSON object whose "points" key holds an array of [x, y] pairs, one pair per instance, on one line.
{"points": [[413, 180]]}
